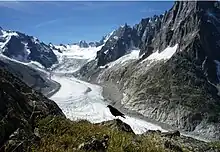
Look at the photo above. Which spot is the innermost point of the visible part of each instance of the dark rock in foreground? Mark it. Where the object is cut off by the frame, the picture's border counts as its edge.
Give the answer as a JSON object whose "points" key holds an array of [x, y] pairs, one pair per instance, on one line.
{"points": [[117, 124], [20, 108]]}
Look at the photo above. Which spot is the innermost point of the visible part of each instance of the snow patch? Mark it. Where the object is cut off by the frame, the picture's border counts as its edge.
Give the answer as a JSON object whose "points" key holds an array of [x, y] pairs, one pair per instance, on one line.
{"points": [[33, 64], [108, 36], [115, 37], [37, 64], [134, 54], [164, 55], [6, 35]]}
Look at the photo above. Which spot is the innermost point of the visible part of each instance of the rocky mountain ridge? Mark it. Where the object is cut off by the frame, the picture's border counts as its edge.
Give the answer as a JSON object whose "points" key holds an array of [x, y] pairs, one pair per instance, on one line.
{"points": [[81, 44], [26, 48], [181, 91]]}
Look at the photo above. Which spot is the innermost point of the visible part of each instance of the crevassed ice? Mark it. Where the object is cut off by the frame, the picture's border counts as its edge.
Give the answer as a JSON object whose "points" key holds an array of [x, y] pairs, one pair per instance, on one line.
{"points": [[77, 104]]}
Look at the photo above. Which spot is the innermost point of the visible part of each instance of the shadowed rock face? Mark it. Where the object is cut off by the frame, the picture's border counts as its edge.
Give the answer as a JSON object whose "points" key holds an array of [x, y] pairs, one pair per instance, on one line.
{"points": [[118, 44], [182, 91], [20, 107], [25, 48], [33, 78]]}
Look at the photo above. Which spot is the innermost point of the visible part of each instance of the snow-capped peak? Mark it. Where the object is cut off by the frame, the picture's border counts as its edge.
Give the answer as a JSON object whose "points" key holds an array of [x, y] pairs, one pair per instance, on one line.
{"points": [[5, 37], [20, 47], [108, 36]]}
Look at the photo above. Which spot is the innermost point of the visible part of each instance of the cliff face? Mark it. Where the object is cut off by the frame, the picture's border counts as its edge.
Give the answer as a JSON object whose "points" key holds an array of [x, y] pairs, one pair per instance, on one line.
{"points": [[26, 48], [188, 24], [183, 90], [20, 108]]}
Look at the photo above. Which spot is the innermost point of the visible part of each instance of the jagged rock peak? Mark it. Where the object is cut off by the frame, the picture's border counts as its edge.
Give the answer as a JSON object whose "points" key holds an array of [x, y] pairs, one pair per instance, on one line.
{"points": [[83, 44], [25, 48]]}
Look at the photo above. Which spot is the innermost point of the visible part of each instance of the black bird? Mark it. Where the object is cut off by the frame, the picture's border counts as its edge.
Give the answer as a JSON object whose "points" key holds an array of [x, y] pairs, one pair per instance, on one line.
{"points": [[115, 112]]}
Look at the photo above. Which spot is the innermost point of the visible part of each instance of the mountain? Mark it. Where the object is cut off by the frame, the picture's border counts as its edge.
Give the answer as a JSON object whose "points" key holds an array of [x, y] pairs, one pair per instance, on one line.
{"points": [[31, 75], [26, 48], [21, 107], [175, 80], [82, 43], [119, 42]]}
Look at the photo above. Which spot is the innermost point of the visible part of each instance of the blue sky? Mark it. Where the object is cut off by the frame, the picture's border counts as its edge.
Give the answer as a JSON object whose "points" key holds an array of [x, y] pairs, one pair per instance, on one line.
{"points": [[68, 22]]}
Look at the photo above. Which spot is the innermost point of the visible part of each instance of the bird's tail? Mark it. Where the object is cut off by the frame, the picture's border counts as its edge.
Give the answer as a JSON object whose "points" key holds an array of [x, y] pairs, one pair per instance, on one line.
{"points": [[123, 116]]}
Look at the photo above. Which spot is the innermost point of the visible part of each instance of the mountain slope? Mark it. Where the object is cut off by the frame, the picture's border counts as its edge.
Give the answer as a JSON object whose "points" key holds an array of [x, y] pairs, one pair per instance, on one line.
{"points": [[20, 108], [33, 76], [177, 86], [26, 48]]}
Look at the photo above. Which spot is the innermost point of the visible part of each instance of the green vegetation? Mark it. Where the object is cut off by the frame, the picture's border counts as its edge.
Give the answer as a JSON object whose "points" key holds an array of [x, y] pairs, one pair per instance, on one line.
{"points": [[215, 145], [60, 134]]}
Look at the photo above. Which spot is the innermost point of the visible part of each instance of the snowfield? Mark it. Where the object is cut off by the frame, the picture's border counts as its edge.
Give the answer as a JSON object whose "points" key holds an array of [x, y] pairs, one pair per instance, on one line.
{"points": [[78, 102], [133, 54], [72, 57], [74, 51], [164, 55]]}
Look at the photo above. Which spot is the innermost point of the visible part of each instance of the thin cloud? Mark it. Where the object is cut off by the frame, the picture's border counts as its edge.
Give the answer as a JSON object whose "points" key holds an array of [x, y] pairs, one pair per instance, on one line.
{"points": [[54, 21], [47, 23]]}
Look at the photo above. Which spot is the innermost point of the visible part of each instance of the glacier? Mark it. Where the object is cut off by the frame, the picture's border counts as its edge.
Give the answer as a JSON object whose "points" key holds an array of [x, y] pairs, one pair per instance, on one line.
{"points": [[82, 100], [76, 103]]}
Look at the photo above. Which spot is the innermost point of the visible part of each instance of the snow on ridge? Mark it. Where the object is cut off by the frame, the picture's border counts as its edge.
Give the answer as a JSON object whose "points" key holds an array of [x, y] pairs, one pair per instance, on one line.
{"points": [[116, 37], [164, 55], [8, 33], [134, 54], [108, 36], [106, 52], [34, 64], [7, 36]]}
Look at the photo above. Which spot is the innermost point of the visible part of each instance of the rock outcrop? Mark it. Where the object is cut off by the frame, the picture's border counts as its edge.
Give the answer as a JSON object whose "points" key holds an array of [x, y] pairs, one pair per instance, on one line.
{"points": [[118, 44], [118, 125], [20, 108]]}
